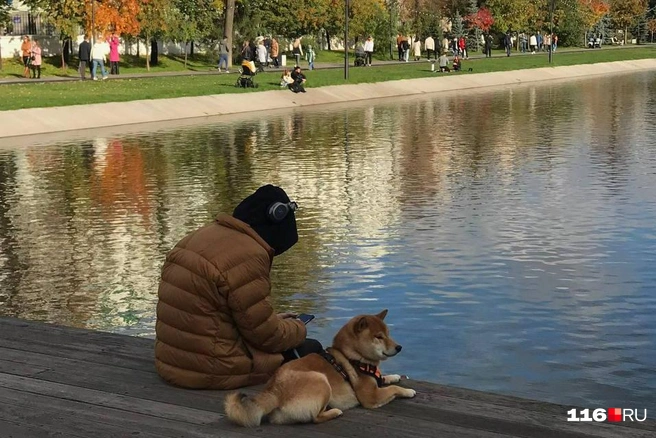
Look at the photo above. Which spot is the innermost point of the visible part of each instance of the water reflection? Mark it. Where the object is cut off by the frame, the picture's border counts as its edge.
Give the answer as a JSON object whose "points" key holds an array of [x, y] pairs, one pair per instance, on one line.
{"points": [[510, 233]]}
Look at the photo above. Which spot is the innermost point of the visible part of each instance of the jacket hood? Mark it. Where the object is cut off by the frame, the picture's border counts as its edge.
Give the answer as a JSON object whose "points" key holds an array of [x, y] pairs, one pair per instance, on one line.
{"points": [[253, 210]]}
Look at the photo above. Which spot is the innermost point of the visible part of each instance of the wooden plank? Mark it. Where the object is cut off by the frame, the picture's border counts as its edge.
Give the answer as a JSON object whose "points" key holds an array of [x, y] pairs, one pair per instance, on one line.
{"points": [[111, 379], [105, 374], [86, 354], [383, 427], [520, 423], [109, 344], [367, 422], [148, 386], [89, 420], [12, 429], [99, 398], [19, 368], [81, 344], [505, 407]]}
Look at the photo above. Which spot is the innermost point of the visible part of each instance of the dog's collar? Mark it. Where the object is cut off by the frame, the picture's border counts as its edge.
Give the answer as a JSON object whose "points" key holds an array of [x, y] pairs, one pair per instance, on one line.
{"points": [[370, 370], [331, 360]]}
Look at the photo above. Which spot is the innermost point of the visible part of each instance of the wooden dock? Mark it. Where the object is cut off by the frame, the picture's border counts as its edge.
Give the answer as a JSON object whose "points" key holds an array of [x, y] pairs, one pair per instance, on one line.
{"points": [[65, 382]]}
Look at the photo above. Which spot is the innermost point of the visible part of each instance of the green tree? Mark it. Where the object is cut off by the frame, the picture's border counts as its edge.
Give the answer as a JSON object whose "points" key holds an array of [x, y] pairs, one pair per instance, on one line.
{"points": [[516, 14], [155, 17], [626, 13], [66, 16], [458, 28], [4, 22]]}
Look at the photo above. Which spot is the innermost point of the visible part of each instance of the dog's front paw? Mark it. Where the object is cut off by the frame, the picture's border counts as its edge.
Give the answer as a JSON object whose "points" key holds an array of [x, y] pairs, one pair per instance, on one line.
{"points": [[408, 393], [391, 378]]}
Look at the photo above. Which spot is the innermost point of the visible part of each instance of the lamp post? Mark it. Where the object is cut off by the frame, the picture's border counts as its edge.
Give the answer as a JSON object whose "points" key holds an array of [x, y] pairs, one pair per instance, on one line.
{"points": [[346, 55], [551, 35]]}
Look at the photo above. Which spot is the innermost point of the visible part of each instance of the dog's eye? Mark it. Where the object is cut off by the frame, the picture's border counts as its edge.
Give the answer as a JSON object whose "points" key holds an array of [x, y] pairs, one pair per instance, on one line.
{"points": [[380, 337]]}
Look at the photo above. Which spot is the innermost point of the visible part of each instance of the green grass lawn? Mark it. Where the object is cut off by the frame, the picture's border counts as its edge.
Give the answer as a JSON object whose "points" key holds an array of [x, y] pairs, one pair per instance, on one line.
{"points": [[31, 95]]}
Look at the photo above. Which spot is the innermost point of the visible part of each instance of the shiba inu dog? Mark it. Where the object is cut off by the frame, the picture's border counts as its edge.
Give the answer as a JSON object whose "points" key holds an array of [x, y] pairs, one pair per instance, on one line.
{"points": [[319, 387]]}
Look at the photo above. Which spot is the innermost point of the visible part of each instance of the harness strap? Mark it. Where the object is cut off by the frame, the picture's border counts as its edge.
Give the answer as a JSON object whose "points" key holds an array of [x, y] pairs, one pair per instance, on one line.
{"points": [[370, 370], [331, 360]]}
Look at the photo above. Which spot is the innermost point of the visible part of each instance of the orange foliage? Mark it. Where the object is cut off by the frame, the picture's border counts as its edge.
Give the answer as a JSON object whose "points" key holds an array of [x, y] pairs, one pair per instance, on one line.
{"points": [[121, 181], [114, 15], [593, 11]]}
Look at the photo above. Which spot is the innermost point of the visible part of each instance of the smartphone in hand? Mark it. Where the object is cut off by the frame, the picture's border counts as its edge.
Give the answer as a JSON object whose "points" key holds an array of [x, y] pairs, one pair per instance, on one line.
{"points": [[305, 318]]}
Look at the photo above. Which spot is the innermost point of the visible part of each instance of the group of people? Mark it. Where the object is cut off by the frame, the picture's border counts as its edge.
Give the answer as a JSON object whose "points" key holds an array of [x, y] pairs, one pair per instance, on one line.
{"points": [[266, 51], [535, 42], [457, 45], [94, 56], [294, 80], [443, 62], [32, 58]]}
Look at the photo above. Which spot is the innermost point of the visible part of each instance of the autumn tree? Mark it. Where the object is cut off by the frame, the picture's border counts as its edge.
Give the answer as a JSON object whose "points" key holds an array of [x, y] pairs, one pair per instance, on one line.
{"points": [[651, 26], [481, 21], [625, 13], [120, 16], [592, 11]]}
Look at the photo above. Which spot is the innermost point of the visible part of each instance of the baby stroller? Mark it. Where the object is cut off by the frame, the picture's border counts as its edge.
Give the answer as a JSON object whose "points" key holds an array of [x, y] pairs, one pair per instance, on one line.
{"points": [[247, 71], [360, 57]]}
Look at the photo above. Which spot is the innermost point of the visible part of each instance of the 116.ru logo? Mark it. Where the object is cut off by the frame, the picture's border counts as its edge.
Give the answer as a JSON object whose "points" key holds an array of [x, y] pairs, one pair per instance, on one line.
{"points": [[610, 414]]}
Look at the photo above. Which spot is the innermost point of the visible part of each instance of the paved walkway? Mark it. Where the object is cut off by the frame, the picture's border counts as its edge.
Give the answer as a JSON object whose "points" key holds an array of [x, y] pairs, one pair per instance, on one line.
{"points": [[104, 115], [318, 66]]}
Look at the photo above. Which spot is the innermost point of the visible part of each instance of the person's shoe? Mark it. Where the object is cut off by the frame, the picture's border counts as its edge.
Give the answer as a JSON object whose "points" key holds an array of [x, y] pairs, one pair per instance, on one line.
{"points": [[95, 78], [227, 71], [104, 78]]}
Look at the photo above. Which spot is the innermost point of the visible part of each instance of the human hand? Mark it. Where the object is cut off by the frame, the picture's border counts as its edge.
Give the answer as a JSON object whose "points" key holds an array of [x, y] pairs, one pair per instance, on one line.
{"points": [[287, 315]]}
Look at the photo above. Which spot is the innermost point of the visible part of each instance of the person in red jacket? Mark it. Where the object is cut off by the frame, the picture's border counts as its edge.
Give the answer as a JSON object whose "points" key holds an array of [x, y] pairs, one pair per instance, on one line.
{"points": [[462, 45]]}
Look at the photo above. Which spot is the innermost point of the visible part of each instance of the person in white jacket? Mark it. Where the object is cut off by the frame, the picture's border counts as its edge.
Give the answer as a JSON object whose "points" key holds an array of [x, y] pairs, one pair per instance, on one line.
{"points": [[368, 50], [533, 42], [99, 53], [416, 47], [429, 44]]}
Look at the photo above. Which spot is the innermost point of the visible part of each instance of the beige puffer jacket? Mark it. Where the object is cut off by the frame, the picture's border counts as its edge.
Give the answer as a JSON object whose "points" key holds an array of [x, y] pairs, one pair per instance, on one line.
{"points": [[215, 326]]}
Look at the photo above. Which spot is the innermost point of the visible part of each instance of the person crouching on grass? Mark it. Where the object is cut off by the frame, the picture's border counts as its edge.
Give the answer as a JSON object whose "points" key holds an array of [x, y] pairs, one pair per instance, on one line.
{"points": [[299, 81]]}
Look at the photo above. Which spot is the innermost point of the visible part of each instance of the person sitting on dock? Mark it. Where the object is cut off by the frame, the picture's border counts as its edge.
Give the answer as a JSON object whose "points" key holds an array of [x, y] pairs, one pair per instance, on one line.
{"points": [[216, 328]]}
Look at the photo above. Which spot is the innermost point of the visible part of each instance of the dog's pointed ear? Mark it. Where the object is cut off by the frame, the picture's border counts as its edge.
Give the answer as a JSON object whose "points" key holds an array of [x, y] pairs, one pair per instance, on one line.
{"points": [[361, 325], [382, 314]]}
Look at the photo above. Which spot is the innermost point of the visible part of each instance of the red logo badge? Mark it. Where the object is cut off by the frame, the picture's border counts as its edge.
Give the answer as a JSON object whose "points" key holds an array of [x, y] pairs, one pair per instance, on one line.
{"points": [[614, 414]]}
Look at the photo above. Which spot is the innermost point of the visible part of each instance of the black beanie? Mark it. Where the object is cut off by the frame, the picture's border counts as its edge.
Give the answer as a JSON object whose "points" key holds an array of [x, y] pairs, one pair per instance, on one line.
{"points": [[253, 210]]}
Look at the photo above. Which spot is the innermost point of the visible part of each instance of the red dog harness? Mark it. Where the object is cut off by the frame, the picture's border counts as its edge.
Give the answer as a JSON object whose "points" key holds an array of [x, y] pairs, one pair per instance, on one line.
{"points": [[364, 368]]}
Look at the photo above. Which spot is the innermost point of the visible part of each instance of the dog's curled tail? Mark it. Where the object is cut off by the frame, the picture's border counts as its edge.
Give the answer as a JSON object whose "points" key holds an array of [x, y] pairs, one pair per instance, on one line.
{"points": [[248, 411]]}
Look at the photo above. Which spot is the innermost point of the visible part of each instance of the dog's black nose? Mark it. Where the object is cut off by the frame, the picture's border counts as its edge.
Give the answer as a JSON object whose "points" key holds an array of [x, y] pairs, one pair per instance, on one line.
{"points": [[398, 348]]}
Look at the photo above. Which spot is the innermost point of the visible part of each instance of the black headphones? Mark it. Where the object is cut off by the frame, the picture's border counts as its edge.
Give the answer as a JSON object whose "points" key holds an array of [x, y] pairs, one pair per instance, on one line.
{"points": [[278, 211]]}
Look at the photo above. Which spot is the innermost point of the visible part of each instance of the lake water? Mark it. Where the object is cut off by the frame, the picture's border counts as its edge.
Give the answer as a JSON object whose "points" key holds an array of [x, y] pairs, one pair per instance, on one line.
{"points": [[511, 233]]}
